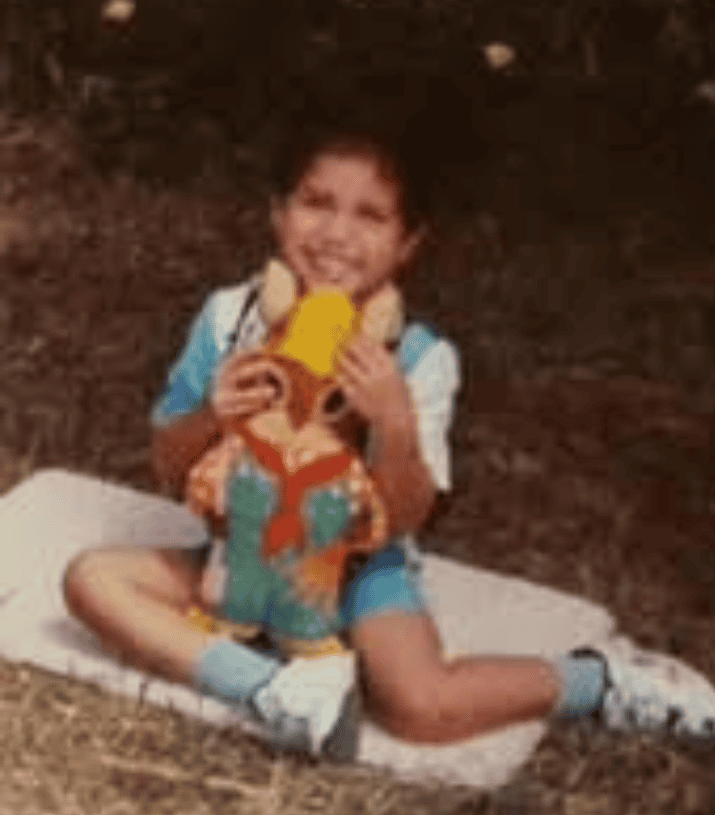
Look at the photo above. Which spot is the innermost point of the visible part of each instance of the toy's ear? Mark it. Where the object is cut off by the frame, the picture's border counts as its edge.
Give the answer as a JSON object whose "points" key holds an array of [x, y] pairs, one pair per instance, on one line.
{"points": [[383, 315], [279, 292]]}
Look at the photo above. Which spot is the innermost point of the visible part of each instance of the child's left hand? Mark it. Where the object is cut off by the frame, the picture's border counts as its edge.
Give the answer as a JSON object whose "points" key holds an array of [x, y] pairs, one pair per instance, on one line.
{"points": [[372, 382]]}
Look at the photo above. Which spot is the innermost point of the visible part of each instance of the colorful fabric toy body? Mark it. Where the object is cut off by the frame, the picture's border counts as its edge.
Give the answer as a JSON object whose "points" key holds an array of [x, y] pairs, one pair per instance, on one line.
{"points": [[296, 495]]}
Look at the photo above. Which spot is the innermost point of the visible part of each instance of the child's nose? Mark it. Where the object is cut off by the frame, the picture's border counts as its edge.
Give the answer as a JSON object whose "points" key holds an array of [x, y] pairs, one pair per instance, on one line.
{"points": [[339, 227]]}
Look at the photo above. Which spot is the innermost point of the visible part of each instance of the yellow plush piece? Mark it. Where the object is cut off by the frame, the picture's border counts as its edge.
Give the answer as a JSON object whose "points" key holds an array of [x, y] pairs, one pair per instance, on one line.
{"points": [[324, 320], [381, 318]]}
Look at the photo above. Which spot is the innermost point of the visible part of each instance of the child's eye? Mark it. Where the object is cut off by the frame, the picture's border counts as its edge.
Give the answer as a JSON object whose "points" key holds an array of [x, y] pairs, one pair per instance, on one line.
{"points": [[316, 200], [372, 214]]}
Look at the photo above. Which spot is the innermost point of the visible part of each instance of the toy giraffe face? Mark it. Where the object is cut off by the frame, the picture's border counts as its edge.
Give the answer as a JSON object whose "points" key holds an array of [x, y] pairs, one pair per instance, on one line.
{"points": [[299, 360], [299, 357]]}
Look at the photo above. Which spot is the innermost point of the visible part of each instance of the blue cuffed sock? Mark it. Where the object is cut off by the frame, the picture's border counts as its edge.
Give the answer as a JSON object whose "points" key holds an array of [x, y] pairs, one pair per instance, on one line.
{"points": [[584, 680], [233, 671]]}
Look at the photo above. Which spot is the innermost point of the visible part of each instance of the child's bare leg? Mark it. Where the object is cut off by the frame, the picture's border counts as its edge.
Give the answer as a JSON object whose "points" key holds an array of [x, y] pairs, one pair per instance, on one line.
{"points": [[134, 600], [418, 696]]}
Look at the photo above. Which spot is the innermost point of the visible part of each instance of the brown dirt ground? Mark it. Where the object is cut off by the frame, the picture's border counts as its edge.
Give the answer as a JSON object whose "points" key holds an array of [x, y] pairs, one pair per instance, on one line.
{"points": [[580, 462]]}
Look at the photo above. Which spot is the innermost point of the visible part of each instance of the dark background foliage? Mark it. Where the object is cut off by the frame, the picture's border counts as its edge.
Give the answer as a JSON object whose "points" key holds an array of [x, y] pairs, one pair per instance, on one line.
{"points": [[193, 80]]}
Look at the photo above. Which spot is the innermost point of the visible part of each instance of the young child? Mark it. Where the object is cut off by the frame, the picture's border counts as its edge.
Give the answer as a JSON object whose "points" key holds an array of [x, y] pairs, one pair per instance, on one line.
{"points": [[349, 214]]}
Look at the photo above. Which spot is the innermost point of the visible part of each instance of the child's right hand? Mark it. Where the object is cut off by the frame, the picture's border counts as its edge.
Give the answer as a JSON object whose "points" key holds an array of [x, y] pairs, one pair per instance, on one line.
{"points": [[243, 388]]}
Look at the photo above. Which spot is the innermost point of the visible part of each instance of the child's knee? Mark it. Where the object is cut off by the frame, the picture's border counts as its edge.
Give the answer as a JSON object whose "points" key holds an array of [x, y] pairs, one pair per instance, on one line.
{"points": [[75, 580], [408, 708], [87, 573]]}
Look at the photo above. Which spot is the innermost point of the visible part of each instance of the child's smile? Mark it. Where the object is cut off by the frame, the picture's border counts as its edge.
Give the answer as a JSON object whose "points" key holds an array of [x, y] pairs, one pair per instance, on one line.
{"points": [[343, 226]]}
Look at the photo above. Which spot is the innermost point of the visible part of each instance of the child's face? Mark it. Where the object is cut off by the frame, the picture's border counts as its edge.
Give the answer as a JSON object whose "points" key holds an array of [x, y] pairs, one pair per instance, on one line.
{"points": [[343, 226]]}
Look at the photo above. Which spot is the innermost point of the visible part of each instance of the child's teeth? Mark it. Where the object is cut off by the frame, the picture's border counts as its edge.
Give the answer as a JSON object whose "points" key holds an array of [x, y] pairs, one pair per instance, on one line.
{"points": [[333, 266]]}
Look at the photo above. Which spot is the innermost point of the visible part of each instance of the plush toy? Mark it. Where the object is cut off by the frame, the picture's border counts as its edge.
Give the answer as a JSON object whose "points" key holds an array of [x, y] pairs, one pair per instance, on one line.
{"points": [[289, 484]]}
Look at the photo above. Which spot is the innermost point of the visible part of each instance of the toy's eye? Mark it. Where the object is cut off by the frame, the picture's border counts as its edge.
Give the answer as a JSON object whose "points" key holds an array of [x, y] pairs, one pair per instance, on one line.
{"points": [[335, 402], [330, 405]]}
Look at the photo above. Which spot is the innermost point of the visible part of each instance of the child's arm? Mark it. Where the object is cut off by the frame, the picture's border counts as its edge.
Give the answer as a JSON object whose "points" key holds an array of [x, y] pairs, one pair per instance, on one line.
{"points": [[186, 418], [176, 447], [376, 389], [400, 472], [183, 423]]}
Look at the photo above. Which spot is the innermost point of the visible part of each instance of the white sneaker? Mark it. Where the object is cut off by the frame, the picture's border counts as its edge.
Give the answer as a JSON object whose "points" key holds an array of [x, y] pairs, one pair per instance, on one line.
{"points": [[647, 691], [312, 705]]}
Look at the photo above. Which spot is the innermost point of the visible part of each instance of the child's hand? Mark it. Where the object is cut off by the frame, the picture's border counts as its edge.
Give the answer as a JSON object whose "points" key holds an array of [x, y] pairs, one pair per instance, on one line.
{"points": [[233, 398], [372, 382]]}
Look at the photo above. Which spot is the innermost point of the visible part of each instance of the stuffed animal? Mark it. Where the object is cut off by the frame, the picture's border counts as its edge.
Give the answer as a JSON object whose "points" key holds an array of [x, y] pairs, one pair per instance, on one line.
{"points": [[288, 484]]}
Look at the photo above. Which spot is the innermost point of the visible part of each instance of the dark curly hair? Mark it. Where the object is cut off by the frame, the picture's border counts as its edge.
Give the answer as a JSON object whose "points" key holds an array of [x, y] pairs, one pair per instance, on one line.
{"points": [[423, 130], [297, 159]]}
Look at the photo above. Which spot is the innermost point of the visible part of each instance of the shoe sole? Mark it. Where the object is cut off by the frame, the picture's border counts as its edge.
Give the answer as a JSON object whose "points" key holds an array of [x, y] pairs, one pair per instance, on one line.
{"points": [[340, 747]]}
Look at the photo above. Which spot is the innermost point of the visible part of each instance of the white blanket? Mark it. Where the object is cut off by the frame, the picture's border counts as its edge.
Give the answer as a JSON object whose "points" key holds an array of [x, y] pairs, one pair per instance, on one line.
{"points": [[54, 514]]}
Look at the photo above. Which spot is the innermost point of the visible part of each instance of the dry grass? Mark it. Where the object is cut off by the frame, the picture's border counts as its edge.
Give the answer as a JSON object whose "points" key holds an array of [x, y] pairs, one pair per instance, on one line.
{"points": [[99, 281], [74, 748]]}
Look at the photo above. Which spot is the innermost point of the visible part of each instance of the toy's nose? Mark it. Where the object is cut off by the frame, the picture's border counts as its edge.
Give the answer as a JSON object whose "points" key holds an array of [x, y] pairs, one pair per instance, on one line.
{"points": [[300, 404]]}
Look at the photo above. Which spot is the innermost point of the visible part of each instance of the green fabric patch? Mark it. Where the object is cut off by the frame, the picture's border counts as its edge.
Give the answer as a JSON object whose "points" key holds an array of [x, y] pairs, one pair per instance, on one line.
{"points": [[256, 591], [330, 515]]}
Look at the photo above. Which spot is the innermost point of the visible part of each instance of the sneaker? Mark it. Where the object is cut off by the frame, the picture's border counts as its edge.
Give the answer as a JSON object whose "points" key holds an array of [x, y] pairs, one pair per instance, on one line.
{"points": [[647, 691], [312, 706]]}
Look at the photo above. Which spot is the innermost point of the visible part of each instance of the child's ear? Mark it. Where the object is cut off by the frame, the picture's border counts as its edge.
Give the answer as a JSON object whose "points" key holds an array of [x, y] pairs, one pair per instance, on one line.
{"points": [[383, 315], [278, 293]]}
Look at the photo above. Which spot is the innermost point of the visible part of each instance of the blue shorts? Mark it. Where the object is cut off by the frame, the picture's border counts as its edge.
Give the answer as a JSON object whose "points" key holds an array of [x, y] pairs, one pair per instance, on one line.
{"points": [[389, 581]]}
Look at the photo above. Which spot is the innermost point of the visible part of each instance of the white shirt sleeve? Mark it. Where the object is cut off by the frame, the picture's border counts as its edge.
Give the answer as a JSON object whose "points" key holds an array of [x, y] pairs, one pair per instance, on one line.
{"points": [[433, 384]]}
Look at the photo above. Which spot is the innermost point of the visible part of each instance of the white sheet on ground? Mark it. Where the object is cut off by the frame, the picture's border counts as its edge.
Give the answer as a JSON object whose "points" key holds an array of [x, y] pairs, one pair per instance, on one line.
{"points": [[54, 514]]}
